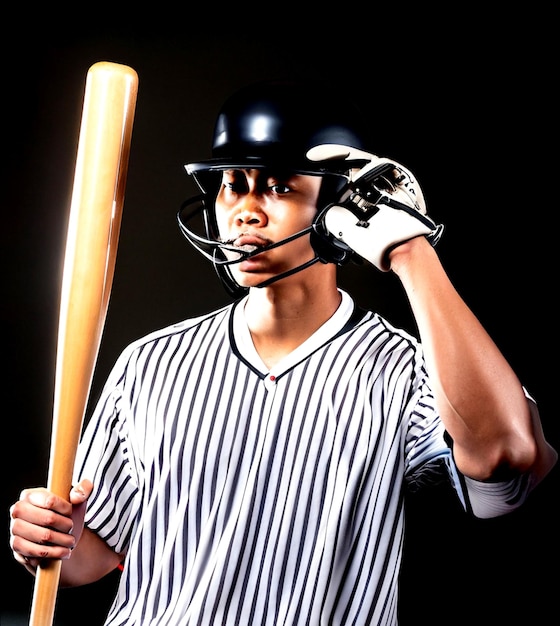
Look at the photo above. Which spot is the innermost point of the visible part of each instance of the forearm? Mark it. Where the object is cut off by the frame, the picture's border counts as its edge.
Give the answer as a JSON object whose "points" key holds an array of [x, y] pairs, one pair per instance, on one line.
{"points": [[479, 396], [90, 560]]}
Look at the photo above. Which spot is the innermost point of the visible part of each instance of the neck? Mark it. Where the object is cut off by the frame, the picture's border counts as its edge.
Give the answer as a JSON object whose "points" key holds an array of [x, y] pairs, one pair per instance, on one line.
{"points": [[282, 316]]}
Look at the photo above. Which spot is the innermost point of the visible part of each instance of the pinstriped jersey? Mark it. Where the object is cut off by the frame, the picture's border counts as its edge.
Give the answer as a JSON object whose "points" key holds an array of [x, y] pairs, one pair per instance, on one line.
{"points": [[243, 495]]}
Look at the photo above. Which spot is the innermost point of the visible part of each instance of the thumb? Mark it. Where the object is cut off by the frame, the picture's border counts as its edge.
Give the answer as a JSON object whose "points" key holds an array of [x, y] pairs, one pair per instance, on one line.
{"points": [[78, 497], [81, 491]]}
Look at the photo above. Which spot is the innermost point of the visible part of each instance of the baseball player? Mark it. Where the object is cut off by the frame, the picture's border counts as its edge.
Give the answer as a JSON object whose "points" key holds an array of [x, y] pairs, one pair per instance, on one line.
{"points": [[249, 466]]}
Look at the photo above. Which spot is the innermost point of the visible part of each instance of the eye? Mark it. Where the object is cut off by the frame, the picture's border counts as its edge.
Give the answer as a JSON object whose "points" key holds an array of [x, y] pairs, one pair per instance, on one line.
{"points": [[235, 185], [280, 188]]}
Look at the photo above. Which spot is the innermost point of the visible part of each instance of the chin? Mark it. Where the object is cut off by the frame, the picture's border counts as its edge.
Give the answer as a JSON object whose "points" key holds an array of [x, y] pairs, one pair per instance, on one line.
{"points": [[248, 280]]}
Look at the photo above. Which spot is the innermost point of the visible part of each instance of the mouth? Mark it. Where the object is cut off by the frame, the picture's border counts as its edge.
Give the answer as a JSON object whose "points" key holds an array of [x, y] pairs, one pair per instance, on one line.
{"points": [[249, 244]]}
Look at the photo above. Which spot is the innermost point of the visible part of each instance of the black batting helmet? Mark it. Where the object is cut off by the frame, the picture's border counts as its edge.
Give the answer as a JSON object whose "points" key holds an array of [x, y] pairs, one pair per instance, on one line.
{"points": [[273, 125]]}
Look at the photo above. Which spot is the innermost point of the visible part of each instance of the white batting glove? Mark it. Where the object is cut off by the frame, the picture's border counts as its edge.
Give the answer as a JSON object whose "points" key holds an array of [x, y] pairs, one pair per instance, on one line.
{"points": [[383, 207]]}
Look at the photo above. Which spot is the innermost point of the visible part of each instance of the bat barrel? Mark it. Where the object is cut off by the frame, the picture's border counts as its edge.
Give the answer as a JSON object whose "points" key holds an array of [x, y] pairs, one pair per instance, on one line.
{"points": [[89, 262]]}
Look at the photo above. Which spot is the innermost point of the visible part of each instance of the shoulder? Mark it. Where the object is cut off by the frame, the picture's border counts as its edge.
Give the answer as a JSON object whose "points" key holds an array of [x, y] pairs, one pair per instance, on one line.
{"points": [[175, 331], [364, 319], [375, 324]]}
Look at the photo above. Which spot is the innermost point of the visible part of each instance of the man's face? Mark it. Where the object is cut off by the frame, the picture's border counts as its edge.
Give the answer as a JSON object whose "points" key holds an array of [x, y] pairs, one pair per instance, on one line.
{"points": [[256, 208]]}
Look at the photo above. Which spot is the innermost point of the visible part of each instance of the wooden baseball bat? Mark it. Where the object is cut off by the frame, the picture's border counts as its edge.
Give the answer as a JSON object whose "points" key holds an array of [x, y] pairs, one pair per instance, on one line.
{"points": [[89, 261]]}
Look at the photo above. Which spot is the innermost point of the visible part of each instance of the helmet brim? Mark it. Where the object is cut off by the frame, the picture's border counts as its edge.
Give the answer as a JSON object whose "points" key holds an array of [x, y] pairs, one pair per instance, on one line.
{"points": [[338, 167]]}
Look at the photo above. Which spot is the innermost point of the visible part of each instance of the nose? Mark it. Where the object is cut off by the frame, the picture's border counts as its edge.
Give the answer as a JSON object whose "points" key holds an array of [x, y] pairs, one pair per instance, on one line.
{"points": [[250, 212]]}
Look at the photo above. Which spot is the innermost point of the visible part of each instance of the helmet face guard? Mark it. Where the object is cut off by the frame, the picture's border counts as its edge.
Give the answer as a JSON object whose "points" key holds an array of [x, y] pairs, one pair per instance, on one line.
{"points": [[272, 125], [223, 254]]}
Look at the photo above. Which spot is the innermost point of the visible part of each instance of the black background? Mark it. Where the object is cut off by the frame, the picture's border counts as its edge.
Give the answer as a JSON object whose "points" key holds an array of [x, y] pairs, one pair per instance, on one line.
{"points": [[459, 97]]}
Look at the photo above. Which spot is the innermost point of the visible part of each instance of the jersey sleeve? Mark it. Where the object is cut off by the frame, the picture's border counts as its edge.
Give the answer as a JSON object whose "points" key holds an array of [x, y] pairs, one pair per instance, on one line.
{"points": [[106, 457], [428, 455]]}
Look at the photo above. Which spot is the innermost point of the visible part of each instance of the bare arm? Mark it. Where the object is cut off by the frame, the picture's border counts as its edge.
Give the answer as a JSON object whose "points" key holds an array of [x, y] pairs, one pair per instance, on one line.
{"points": [[45, 526], [479, 396]]}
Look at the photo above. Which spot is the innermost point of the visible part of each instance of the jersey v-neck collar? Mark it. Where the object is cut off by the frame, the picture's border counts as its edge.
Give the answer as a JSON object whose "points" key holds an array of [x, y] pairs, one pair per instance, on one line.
{"points": [[243, 346]]}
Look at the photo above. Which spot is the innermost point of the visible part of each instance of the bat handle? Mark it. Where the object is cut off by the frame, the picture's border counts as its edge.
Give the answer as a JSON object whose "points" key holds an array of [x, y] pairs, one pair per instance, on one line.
{"points": [[45, 592]]}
